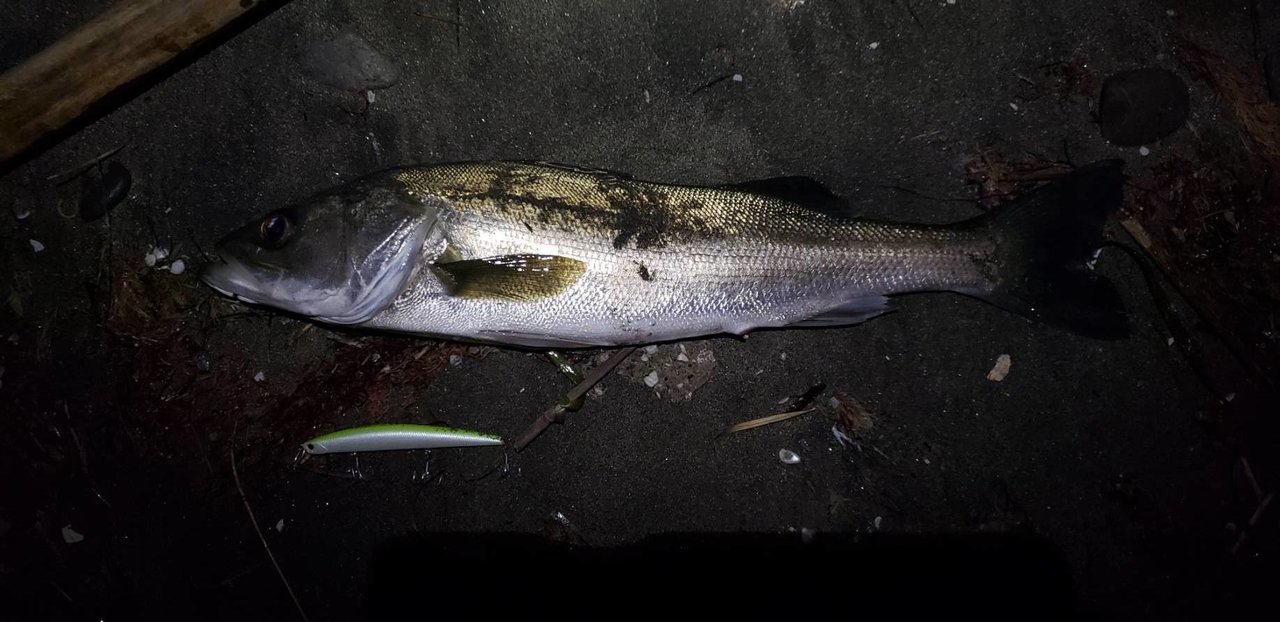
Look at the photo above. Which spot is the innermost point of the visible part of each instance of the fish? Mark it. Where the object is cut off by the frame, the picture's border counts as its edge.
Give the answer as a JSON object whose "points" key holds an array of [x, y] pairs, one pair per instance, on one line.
{"points": [[394, 436], [540, 255]]}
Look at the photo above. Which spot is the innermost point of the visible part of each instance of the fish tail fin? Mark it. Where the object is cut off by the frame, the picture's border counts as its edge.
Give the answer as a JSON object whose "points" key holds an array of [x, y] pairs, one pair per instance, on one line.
{"points": [[1046, 242]]}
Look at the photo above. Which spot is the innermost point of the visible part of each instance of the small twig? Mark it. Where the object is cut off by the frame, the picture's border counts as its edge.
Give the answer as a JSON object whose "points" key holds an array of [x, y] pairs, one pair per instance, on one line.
{"points": [[711, 84], [764, 421], [556, 412], [235, 473], [76, 171], [84, 460], [1253, 483], [435, 18]]}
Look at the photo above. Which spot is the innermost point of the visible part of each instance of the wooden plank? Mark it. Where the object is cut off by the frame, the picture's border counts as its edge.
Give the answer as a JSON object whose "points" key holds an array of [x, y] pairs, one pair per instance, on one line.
{"points": [[129, 40]]}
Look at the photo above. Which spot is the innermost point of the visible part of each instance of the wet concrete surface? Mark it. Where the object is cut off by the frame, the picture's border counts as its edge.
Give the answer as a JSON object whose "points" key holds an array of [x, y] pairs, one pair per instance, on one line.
{"points": [[129, 385]]}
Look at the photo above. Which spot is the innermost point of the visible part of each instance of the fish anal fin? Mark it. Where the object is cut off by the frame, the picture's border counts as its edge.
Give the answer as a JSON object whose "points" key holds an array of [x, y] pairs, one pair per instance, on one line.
{"points": [[852, 311]]}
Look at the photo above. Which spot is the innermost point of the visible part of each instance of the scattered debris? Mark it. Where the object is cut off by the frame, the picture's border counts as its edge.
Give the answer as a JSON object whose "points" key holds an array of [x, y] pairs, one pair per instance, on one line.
{"points": [[100, 194], [1000, 178], [36, 245], [71, 536], [769, 420], [348, 62], [674, 371], [852, 418], [1001, 368], [788, 457]]}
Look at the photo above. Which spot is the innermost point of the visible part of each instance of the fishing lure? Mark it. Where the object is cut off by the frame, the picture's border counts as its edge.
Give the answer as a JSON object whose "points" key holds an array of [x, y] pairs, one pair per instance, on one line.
{"points": [[387, 437]]}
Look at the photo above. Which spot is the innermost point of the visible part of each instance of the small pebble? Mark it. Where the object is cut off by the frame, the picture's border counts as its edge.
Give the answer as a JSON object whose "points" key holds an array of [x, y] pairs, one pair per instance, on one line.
{"points": [[1013, 105], [36, 245], [71, 536], [651, 349], [682, 358], [370, 97], [1001, 369], [737, 77], [788, 457], [150, 259], [1144, 151], [647, 99], [455, 360], [160, 253], [259, 377], [280, 525], [652, 379], [876, 522], [177, 267], [874, 45]]}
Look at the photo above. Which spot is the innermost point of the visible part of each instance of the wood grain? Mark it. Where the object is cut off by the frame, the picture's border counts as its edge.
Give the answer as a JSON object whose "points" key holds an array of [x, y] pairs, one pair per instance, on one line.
{"points": [[129, 40]]}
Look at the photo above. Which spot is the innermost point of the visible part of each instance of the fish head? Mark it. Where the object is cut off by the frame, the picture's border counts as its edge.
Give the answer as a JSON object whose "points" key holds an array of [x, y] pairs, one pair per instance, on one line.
{"points": [[340, 257]]}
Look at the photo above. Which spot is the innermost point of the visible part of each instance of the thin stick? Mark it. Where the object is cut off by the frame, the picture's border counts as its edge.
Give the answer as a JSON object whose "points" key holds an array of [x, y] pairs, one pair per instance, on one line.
{"points": [[763, 421], [253, 519], [556, 413]]}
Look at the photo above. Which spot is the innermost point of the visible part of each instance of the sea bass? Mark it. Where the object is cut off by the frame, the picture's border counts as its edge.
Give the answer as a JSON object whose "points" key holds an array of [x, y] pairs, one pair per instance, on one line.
{"points": [[549, 256]]}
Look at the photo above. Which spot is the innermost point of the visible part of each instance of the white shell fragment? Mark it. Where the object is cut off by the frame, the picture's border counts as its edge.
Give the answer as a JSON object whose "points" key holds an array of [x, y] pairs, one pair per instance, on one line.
{"points": [[651, 380], [259, 377], [788, 457], [1001, 368], [177, 267], [36, 245], [71, 536], [280, 525]]}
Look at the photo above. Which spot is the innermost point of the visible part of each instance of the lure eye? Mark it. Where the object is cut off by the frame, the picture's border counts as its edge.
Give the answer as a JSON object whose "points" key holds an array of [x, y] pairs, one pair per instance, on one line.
{"points": [[273, 229]]}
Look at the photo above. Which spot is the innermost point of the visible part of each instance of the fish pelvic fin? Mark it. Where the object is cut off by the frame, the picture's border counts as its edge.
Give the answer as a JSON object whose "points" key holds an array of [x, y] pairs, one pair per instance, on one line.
{"points": [[1046, 242]]}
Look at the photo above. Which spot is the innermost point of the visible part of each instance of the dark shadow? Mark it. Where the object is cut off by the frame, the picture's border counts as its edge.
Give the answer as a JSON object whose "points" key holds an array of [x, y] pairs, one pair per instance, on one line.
{"points": [[730, 576]]}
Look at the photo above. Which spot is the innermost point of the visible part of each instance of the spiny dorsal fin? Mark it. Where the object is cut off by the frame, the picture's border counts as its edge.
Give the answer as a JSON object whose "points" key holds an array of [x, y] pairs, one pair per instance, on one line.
{"points": [[511, 277]]}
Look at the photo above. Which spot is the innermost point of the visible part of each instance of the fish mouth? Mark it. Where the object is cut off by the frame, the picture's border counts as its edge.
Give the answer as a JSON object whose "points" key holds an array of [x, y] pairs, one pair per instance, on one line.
{"points": [[230, 278]]}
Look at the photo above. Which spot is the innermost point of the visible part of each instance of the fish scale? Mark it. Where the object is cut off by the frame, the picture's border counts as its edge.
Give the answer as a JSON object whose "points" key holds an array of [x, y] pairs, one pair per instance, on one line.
{"points": [[724, 261]]}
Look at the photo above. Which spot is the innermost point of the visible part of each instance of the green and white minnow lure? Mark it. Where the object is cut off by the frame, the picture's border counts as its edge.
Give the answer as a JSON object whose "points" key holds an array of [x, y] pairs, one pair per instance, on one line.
{"points": [[388, 437]]}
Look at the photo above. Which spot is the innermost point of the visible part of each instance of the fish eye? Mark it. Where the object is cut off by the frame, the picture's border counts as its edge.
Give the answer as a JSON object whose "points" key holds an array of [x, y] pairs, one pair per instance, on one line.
{"points": [[273, 229]]}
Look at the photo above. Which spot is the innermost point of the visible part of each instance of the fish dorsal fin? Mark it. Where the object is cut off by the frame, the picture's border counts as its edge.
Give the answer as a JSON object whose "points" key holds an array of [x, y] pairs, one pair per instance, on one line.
{"points": [[510, 277], [803, 191]]}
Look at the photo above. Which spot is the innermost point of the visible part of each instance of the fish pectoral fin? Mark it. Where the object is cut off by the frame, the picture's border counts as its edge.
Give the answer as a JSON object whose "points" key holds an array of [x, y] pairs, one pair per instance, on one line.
{"points": [[853, 311], [510, 277]]}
